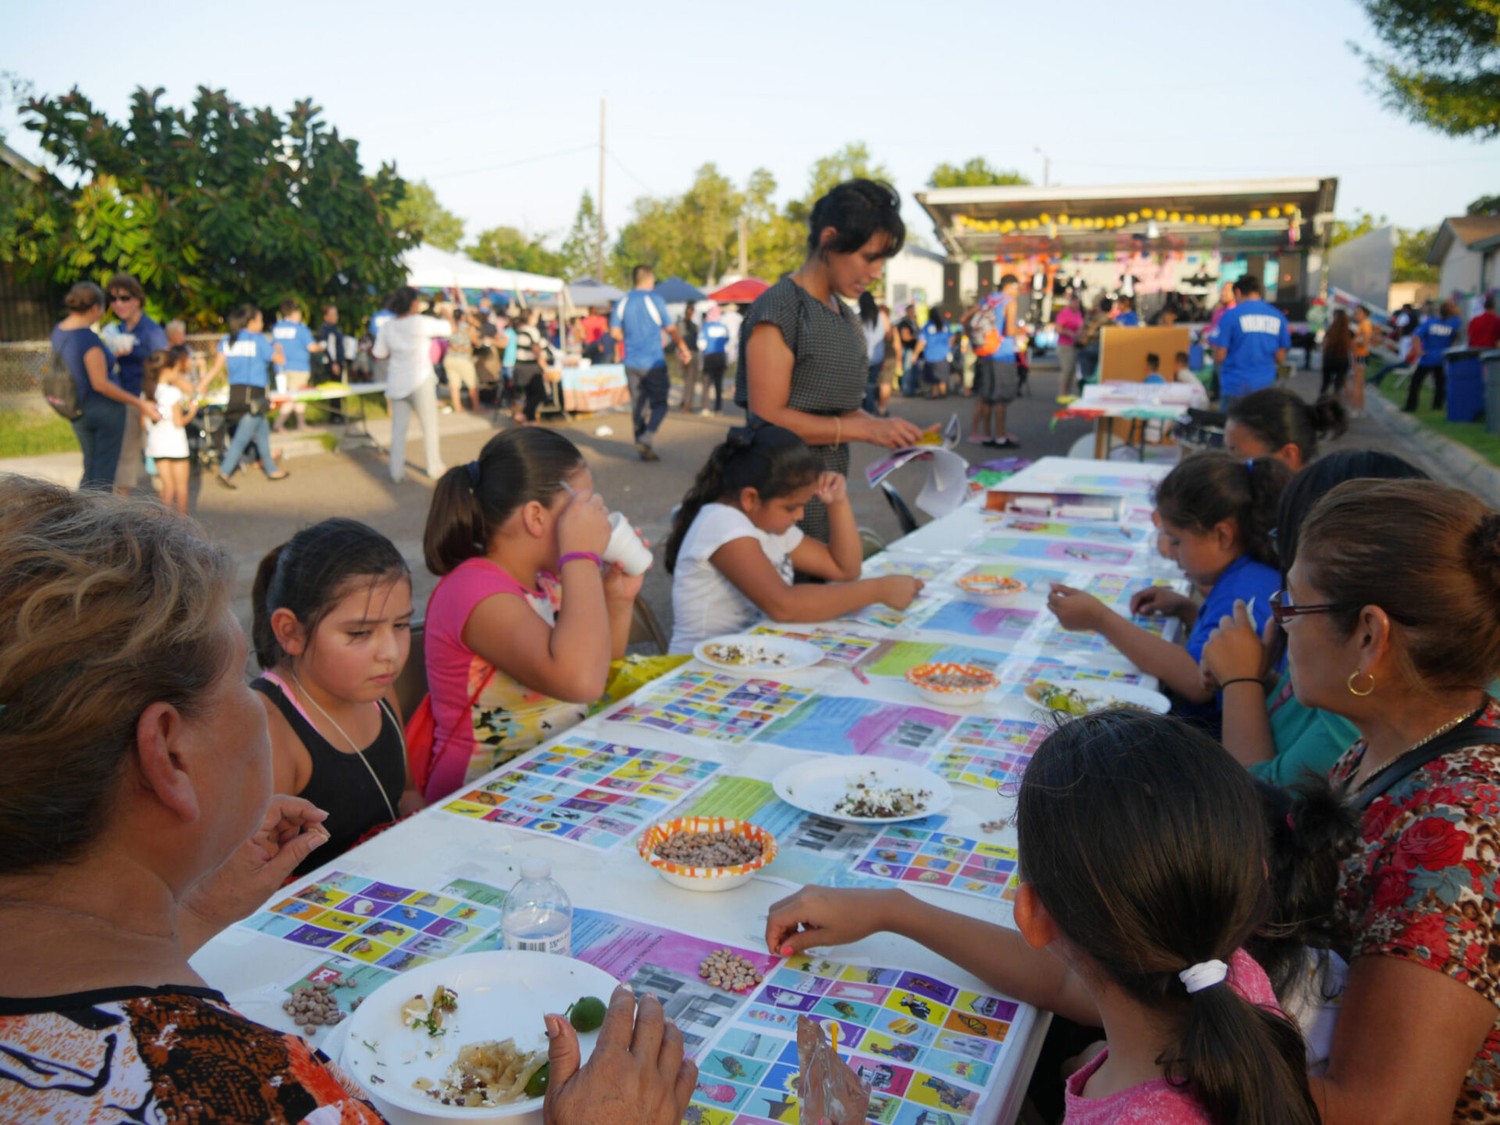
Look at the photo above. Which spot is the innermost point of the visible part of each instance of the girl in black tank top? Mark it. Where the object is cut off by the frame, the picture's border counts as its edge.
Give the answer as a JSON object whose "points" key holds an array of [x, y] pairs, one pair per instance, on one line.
{"points": [[332, 614]]}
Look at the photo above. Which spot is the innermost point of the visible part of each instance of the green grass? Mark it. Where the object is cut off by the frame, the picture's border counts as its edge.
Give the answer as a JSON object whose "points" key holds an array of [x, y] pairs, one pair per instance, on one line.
{"points": [[1471, 434], [28, 433]]}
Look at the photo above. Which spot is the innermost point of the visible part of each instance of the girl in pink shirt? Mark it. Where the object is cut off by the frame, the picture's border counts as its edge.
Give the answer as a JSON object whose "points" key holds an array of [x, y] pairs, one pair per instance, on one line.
{"points": [[1143, 859]]}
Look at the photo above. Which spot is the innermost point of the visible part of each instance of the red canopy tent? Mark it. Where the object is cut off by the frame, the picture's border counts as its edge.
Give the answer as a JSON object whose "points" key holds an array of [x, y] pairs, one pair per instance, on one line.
{"points": [[740, 292]]}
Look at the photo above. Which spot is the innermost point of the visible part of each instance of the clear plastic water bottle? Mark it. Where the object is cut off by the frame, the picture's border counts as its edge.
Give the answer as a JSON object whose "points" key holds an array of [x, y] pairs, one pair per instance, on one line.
{"points": [[538, 915]]}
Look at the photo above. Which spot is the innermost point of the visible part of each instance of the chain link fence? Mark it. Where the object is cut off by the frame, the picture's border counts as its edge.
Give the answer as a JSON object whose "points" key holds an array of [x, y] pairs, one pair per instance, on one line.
{"points": [[22, 364]]}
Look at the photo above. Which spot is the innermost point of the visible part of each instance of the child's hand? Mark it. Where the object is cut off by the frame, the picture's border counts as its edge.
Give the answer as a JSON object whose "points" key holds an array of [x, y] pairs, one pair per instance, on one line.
{"points": [[583, 524], [824, 916], [1158, 601], [899, 590], [832, 488], [1075, 609], [1234, 651], [619, 586]]}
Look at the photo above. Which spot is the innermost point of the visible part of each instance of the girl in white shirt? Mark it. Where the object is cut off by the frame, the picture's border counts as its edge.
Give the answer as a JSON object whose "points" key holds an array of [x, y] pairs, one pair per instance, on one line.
{"points": [[169, 383], [735, 543], [411, 380]]}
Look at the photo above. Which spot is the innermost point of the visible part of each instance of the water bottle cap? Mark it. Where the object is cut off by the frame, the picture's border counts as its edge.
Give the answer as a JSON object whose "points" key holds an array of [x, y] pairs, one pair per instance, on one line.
{"points": [[535, 869]]}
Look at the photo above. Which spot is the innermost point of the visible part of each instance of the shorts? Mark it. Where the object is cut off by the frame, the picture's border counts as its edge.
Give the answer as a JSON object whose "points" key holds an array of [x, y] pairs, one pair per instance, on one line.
{"points": [[937, 373], [996, 383], [461, 372], [295, 380]]}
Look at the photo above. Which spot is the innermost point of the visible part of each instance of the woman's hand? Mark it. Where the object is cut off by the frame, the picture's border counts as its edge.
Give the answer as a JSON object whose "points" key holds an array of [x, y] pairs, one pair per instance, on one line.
{"points": [[289, 832], [892, 433], [619, 586], [1075, 609], [899, 590], [824, 916], [636, 1076], [1234, 651], [831, 488], [583, 524], [1159, 601]]}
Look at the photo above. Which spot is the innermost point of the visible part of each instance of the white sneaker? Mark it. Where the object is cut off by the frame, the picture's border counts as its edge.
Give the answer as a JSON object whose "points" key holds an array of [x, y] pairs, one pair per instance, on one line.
{"points": [[705, 412]]}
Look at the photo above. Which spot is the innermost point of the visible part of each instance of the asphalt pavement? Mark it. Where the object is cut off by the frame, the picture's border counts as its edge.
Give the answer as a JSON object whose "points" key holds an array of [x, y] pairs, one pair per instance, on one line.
{"points": [[261, 513]]}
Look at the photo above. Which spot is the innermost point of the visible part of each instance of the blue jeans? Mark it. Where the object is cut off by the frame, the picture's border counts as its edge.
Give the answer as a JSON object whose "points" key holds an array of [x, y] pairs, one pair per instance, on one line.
{"points": [[910, 371], [100, 433], [648, 391], [251, 427], [872, 388]]}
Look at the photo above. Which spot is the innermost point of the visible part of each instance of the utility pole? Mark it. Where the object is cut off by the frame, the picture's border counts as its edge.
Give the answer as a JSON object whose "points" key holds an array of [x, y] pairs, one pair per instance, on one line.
{"points": [[599, 245], [1046, 166], [744, 257]]}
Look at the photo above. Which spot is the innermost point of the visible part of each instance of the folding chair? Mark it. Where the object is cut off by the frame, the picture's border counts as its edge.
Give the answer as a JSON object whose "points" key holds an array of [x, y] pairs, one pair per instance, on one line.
{"points": [[645, 627]]}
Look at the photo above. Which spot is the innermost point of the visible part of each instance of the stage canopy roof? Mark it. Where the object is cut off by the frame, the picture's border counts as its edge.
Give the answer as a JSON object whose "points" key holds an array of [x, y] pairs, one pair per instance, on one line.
{"points": [[1227, 215], [427, 267]]}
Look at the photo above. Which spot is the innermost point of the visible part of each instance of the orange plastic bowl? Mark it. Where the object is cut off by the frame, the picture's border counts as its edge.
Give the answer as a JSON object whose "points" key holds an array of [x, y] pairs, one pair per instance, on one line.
{"points": [[694, 878], [991, 589], [925, 678]]}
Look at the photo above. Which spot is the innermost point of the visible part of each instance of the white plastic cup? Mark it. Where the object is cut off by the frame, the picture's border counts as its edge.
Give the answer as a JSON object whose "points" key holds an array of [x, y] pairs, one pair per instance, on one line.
{"points": [[625, 547]]}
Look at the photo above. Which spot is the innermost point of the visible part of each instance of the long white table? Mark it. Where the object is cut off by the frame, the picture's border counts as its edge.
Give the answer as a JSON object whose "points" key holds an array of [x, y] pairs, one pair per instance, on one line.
{"points": [[453, 863]]}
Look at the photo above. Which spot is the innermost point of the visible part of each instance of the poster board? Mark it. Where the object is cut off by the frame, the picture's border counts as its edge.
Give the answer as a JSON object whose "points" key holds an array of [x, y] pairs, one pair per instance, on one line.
{"points": [[1122, 359]]}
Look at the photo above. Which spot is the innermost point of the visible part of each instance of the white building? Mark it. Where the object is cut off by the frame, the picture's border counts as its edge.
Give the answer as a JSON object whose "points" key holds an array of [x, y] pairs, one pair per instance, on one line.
{"points": [[1467, 254]]}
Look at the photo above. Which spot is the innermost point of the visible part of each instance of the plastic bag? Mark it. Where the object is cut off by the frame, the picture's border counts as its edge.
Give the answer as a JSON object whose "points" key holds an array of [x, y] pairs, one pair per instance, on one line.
{"points": [[828, 1092]]}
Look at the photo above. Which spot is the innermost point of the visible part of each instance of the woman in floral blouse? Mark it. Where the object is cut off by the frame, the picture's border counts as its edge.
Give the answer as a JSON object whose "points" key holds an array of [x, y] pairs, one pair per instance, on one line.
{"points": [[1398, 630]]}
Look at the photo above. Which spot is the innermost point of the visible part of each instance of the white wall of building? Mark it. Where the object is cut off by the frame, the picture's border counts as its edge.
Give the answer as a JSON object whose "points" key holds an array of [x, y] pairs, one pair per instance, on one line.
{"points": [[1461, 271]]}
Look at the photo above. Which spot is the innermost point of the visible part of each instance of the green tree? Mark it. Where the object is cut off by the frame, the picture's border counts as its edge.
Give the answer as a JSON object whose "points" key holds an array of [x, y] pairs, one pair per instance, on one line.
{"points": [[580, 250], [1485, 205], [420, 215], [513, 249], [1345, 229], [774, 242], [974, 172], [210, 206], [1443, 66], [1410, 262]]}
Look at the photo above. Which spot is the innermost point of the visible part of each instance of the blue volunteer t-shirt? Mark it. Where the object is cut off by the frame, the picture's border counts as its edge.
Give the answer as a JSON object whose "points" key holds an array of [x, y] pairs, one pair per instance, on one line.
{"points": [[1253, 332], [1128, 319], [246, 359], [149, 337], [75, 343], [633, 316], [715, 337], [1437, 336], [294, 338], [937, 343], [1242, 580], [508, 359]]}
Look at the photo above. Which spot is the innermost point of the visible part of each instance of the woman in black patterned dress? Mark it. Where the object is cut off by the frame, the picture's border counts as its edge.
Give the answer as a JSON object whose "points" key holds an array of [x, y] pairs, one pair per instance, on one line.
{"points": [[802, 349]]}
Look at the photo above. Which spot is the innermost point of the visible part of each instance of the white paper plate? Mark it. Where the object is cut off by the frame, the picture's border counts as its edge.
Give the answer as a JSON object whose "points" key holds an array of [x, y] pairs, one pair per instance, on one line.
{"points": [[501, 995], [1100, 694], [816, 786], [782, 654]]}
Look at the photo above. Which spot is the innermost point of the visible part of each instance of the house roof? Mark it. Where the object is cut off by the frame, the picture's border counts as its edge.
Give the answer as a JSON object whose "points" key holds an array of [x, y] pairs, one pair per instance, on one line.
{"points": [[1468, 230], [15, 160]]}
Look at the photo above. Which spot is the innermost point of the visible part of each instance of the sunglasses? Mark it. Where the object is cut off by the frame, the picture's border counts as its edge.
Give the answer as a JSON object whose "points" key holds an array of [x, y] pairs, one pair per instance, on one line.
{"points": [[118, 297], [1283, 610]]}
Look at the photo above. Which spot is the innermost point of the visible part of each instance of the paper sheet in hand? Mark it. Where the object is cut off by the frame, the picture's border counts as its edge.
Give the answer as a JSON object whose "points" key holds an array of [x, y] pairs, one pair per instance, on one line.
{"points": [[947, 484]]}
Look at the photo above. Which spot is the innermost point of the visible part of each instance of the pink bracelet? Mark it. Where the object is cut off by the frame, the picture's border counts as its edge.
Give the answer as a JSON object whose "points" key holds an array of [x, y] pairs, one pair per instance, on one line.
{"points": [[572, 555]]}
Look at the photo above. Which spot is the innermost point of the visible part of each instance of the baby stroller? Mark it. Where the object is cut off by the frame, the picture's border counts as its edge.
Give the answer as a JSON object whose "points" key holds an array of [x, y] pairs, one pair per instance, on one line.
{"points": [[206, 436]]}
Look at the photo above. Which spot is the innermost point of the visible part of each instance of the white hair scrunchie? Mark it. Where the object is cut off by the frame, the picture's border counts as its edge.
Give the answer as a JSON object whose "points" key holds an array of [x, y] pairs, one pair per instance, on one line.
{"points": [[1205, 974]]}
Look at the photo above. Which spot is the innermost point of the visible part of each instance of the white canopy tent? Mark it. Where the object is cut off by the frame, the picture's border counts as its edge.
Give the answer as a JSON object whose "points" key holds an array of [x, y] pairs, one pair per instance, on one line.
{"points": [[427, 267]]}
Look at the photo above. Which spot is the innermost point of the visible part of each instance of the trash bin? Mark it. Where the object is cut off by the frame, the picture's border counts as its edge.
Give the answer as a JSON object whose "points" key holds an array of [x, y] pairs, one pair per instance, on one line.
{"points": [[1491, 361], [1465, 384]]}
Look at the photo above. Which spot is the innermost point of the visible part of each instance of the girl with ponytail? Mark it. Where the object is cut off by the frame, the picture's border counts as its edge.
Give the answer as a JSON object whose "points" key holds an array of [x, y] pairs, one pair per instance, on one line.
{"points": [[523, 625], [735, 542], [1143, 866], [1215, 514]]}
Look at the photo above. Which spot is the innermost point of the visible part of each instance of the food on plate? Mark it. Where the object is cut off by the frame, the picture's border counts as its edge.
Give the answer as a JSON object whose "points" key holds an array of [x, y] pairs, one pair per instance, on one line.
{"points": [[1071, 701], [586, 1013], [710, 849], [486, 1075], [536, 1085], [867, 798], [990, 584], [740, 654], [421, 1014], [726, 969]]}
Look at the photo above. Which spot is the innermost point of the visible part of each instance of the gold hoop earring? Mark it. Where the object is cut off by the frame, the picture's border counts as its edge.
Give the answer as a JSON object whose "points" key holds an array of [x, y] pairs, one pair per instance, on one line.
{"points": [[1350, 683]]}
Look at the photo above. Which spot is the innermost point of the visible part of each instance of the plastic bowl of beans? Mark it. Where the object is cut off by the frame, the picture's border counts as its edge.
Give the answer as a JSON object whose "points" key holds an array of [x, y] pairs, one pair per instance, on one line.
{"points": [[957, 685], [707, 853], [991, 589]]}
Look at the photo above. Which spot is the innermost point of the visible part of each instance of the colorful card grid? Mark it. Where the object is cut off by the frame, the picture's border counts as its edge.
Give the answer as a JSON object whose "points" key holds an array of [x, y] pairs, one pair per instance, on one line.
{"points": [[905, 853], [710, 705]]}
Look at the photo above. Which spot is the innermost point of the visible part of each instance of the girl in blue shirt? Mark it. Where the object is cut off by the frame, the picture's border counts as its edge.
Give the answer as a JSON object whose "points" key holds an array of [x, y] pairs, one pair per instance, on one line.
{"points": [[1216, 513], [937, 346], [1435, 335], [247, 354]]}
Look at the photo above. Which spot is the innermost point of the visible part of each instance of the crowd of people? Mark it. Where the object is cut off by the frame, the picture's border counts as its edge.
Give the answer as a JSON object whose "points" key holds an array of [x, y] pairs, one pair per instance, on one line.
{"points": [[1277, 904]]}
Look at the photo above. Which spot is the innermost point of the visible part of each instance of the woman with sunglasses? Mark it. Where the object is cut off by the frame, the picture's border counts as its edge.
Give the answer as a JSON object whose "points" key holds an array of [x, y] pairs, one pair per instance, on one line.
{"points": [[1265, 727], [1398, 631]]}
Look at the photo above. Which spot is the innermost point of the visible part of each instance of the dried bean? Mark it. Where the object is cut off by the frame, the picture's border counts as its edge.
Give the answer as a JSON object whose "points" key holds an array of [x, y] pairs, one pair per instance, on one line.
{"points": [[709, 849]]}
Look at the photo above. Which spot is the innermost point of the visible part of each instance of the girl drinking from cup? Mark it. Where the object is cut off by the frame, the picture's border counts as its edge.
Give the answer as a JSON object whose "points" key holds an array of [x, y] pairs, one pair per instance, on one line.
{"points": [[514, 649], [332, 630], [735, 542], [1215, 515], [169, 384], [1143, 867]]}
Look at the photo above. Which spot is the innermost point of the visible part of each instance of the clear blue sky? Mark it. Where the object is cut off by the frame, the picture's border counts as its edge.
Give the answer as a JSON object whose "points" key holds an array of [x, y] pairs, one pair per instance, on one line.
{"points": [[479, 100]]}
